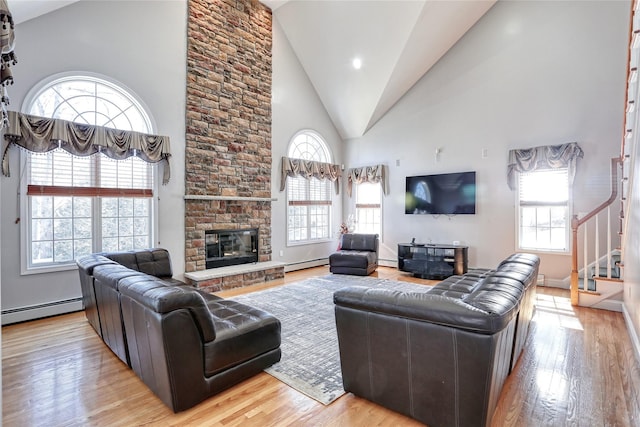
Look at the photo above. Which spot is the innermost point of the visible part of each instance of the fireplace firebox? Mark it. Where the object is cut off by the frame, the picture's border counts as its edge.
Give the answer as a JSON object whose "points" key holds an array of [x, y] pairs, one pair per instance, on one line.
{"points": [[231, 247]]}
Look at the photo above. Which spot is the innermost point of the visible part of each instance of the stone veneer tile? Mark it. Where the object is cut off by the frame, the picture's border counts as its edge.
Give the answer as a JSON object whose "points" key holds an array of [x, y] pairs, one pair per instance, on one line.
{"points": [[228, 121]]}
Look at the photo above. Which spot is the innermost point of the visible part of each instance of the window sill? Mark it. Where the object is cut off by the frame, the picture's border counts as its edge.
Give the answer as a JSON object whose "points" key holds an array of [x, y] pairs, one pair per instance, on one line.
{"points": [[311, 242], [544, 251], [48, 269]]}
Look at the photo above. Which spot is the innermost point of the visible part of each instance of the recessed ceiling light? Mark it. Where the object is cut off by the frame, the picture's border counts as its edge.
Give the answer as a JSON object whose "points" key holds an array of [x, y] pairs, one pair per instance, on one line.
{"points": [[357, 63]]}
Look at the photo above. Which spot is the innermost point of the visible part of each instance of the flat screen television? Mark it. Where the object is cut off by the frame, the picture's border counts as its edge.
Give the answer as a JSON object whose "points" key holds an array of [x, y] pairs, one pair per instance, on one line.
{"points": [[443, 194]]}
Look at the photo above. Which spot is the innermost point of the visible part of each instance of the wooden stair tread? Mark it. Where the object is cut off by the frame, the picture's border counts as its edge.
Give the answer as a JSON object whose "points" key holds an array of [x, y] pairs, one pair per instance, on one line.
{"points": [[582, 291], [611, 280]]}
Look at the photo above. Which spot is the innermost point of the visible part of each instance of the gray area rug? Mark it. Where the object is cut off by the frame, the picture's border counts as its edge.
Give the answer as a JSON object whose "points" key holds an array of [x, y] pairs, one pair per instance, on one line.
{"points": [[310, 356]]}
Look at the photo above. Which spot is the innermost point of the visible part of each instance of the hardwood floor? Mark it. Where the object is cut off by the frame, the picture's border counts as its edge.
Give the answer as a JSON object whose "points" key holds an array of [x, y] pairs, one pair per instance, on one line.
{"points": [[578, 369]]}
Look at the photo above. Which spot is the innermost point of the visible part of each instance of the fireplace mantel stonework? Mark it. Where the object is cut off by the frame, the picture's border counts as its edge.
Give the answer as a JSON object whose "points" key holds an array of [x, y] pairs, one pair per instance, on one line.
{"points": [[228, 124]]}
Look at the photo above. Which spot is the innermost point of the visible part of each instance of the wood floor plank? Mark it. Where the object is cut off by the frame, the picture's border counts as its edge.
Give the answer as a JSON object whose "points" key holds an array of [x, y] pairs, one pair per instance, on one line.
{"points": [[578, 368]]}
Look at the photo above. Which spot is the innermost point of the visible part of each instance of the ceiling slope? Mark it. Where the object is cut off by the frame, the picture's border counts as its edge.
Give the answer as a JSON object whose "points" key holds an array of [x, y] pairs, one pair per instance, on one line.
{"points": [[24, 10], [397, 42]]}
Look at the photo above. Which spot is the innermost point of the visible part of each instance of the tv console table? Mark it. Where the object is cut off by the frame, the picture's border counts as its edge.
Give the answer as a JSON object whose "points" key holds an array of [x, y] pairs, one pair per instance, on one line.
{"points": [[432, 261]]}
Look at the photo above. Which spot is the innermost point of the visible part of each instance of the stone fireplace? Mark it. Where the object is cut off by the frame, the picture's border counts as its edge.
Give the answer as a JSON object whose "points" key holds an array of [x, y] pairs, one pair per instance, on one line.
{"points": [[228, 135], [231, 247]]}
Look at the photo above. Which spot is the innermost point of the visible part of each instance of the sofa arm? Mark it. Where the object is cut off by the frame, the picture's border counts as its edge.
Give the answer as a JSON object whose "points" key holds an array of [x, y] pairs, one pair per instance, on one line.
{"points": [[420, 306], [155, 295]]}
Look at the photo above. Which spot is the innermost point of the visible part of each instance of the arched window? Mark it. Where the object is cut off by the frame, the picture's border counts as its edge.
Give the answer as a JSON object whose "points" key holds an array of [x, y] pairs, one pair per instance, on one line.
{"points": [[90, 100], [309, 200], [80, 217]]}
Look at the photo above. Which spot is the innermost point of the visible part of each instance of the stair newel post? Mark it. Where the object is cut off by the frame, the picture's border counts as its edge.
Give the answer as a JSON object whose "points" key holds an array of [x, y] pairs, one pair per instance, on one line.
{"points": [[596, 266], [575, 297], [585, 256], [608, 243]]}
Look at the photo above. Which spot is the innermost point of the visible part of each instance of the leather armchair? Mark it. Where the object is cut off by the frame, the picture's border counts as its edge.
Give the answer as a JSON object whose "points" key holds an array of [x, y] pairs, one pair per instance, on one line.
{"points": [[358, 255]]}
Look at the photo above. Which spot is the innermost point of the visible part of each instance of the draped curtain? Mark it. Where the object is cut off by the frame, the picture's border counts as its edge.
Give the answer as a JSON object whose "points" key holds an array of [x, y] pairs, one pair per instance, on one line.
{"points": [[308, 169], [373, 174], [40, 135], [7, 59], [543, 157]]}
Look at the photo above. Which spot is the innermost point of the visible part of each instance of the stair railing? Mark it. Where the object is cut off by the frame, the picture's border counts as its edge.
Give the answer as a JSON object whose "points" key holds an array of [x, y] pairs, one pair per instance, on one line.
{"points": [[593, 217]]}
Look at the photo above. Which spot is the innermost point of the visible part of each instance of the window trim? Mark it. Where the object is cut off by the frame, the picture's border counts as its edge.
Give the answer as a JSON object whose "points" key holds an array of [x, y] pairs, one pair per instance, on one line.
{"points": [[328, 159], [44, 84], [569, 206], [23, 198], [23, 203], [308, 203], [380, 206]]}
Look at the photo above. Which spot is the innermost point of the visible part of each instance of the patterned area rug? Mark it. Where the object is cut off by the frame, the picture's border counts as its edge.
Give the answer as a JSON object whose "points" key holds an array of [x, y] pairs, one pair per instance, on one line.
{"points": [[310, 356]]}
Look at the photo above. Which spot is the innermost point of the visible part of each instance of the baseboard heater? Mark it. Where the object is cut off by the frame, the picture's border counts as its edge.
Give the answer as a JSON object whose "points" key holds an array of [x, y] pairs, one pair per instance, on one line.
{"points": [[32, 312]]}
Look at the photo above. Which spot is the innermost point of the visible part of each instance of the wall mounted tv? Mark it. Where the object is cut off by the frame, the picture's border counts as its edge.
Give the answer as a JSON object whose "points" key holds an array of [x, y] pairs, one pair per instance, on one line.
{"points": [[443, 194]]}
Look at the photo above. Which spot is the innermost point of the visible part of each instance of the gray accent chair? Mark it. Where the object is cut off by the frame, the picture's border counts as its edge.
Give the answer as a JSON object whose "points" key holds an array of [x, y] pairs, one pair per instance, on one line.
{"points": [[357, 255]]}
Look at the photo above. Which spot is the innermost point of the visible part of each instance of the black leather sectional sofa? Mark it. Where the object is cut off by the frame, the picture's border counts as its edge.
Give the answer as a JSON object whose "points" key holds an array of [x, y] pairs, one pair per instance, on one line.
{"points": [[185, 344], [440, 357]]}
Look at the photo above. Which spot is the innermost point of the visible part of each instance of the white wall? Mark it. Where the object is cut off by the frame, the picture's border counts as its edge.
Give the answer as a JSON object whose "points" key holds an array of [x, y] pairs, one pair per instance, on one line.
{"points": [[141, 44], [631, 245], [527, 74], [632, 252], [296, 106]]}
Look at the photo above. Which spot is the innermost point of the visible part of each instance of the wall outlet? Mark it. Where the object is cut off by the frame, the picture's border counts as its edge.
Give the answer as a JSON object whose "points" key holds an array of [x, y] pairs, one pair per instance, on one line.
{"points": [[281, 252], [456, 242]]}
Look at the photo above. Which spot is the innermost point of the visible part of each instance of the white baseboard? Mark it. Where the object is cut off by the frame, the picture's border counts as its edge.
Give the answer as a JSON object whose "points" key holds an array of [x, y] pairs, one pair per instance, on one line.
{"points": [[23, 314], [634, 334], [306, 264], [325, 261], [556, 283], [388, 263], [611, 305]]}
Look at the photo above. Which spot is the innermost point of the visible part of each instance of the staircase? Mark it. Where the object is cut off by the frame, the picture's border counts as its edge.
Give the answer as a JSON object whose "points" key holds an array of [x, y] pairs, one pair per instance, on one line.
{"points": [[597, 259], [596, 273]]}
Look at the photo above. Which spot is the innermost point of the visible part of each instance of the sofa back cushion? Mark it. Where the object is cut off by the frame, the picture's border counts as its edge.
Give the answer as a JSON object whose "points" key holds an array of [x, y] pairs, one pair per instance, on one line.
{"points": [[110, 274], [127, 259], [359, 242], [457, 287], [87, 263], [496, 295], [155, 262], [424, 306]]}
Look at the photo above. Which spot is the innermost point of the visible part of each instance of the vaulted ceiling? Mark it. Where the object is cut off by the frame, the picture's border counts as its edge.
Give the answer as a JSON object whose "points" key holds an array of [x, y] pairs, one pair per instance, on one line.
{"points": [[396, 42]]}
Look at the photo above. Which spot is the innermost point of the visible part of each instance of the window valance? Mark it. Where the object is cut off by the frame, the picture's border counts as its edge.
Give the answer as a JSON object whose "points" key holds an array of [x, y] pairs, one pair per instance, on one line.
{"points": [[542, 158], [308, 169], [40, 135], [373, 174]]}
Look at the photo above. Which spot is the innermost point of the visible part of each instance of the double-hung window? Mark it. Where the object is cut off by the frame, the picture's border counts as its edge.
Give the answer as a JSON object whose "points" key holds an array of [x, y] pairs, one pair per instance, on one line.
{"points": [[544, 210], [308, 199], [368, 197], [79, 205]]}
